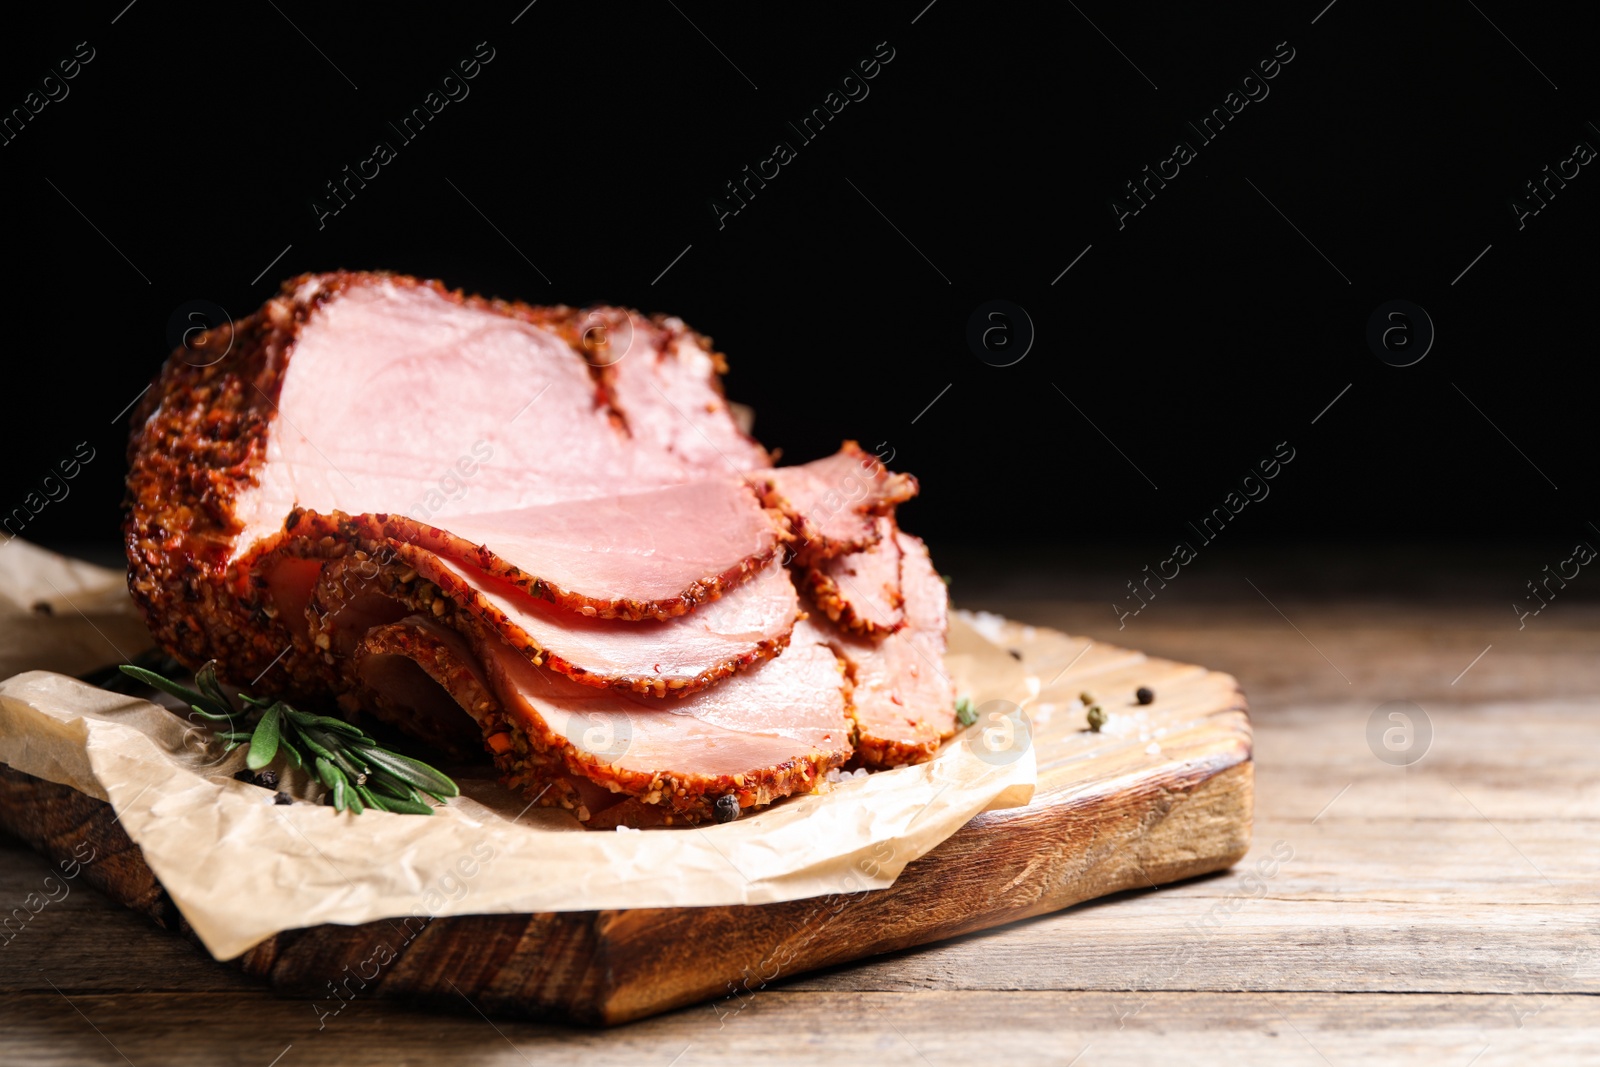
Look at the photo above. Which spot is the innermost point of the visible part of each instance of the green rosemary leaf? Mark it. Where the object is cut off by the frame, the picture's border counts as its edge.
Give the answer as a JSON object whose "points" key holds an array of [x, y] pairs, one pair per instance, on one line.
{"points": [[206, 679], [168, 686], [264, 742], [326, 771], [381, 781], [334, 779], [406, 806], [966, 713], [317, 747], [412, 772], [333, 749], [325, 722], [196, 709]]}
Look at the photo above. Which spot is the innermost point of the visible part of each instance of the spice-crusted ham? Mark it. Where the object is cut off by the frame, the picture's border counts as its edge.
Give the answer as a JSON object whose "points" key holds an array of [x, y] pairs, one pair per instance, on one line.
{"points": [[375, 394], [674, 656], [903, 700], [538, 529], [651, 555], [861, 590], [396, 396], [395, 661], [759, 735], [831, 503]]}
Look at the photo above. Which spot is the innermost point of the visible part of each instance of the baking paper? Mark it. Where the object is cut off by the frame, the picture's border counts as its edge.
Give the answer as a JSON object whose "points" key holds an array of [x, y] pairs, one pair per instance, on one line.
{"points": [[242, 868]]}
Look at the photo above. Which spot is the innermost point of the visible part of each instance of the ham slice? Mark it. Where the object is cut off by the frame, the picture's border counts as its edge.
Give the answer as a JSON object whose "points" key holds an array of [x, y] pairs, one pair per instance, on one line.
{"points": [[831, 503], [861, 590], [397, 661], [678, 656], [460, 406], [904, 700], [651, 555], [762, 734]]}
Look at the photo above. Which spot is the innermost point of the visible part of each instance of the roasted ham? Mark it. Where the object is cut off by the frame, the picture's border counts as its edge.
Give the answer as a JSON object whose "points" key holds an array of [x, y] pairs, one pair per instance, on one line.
{"points": [[539, 530]]}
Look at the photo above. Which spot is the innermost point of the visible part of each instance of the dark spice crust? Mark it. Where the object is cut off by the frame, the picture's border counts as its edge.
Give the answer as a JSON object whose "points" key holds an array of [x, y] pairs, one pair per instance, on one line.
{"points": [[880, 754], [831, 601], [199, 438]]}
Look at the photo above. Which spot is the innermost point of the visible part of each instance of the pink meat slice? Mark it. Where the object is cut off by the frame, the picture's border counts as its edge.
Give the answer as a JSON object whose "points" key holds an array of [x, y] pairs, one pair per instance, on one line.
{"points": [[861, 590], [749, 623], [649, 554], [399, 398], [904, 700], [761, 734], [666, 383], [831, 503]]}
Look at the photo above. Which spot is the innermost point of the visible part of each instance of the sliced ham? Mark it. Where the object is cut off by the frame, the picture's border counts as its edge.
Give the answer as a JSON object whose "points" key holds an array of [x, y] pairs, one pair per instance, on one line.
{"points": [[903, 699], [423, 678], [861, 590], [831, 504], [396, 396], [675, 656], [759, 735], [650, 555], [541, 529], [365, 395]]}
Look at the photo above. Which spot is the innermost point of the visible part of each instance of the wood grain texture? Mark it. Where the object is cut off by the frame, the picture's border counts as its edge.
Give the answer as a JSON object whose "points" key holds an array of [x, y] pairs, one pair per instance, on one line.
{"points": [[1168, 799]]}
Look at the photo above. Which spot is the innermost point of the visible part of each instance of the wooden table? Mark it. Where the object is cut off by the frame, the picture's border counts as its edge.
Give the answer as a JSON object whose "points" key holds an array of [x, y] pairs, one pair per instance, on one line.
{"points": [[1444, 912]]}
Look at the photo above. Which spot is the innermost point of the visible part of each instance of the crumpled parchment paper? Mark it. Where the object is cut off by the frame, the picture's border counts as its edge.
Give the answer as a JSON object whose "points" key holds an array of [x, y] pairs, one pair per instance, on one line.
{"points": [[242, 868]]}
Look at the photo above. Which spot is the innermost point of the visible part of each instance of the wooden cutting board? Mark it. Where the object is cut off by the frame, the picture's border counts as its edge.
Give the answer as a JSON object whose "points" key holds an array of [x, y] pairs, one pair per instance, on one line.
{"points": [[1164, 794]]}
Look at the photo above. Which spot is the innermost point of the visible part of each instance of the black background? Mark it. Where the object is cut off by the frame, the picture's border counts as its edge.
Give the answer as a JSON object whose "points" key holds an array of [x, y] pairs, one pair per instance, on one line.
{"points": [[980, 165]]}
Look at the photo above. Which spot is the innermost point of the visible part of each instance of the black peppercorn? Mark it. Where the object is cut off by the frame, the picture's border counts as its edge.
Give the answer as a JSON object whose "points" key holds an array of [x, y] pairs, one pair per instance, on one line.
{"points": [[727, 807], [1145, 694], [280, 797], [245, 776], [267, 779]]}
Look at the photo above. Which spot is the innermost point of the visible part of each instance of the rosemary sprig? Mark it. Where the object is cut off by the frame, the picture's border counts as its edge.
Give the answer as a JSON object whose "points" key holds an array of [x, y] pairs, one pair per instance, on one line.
{"points": [[358, 771]]}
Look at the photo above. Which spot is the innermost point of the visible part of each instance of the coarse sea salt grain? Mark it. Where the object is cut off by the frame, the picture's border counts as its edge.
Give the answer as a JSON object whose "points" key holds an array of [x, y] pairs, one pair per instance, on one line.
{"points": [[628, 830], [1042, 712], [1153, 749]]}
